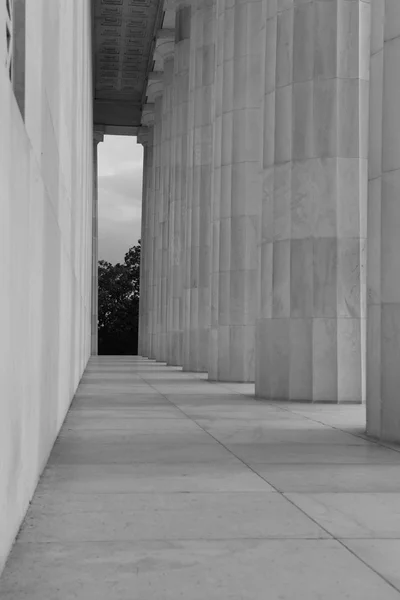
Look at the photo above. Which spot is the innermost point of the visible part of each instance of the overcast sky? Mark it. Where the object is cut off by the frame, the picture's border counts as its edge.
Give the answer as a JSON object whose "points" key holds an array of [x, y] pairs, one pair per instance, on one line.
{"points": [[120, 196]]}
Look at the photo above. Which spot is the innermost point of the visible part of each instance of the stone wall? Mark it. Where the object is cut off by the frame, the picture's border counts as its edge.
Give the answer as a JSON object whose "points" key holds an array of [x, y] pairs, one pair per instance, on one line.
{"points": [[45, 243]]}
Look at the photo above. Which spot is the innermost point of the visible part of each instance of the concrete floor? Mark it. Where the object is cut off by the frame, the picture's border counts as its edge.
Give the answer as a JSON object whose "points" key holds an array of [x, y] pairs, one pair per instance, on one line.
{"points": [[164, 486]]}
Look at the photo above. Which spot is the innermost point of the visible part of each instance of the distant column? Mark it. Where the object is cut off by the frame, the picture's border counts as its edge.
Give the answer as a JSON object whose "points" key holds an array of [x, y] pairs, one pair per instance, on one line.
{"points": [[188, 274], [383, 333], [215, 216], [154, 96], [143, 138], [147, 232], [164, 52], [168, 184], [97, 138], [236, 226], [179, 198], [200, 119], [311, 326]]}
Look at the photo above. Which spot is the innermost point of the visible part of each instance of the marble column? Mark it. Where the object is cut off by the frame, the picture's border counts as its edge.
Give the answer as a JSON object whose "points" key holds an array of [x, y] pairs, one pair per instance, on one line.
{"points": [[164, 200], [187, 342], [383, 332], [200, 159], [169, 129], [144, 137], [204, 148], [236, 217], [213, 369], [157, 241], [154, 96], [179, 158], [147, 231], [311, 327], [98, 137]]}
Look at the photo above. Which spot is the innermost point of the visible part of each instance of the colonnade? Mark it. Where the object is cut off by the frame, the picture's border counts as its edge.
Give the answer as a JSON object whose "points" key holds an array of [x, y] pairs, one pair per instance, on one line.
{"points": [[261, 131]]}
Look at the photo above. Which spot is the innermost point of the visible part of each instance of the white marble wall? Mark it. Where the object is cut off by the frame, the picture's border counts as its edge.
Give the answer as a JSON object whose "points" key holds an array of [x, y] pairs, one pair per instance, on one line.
{"points": [[94, 345], [46, 176], [383, 333], [311, 327]]}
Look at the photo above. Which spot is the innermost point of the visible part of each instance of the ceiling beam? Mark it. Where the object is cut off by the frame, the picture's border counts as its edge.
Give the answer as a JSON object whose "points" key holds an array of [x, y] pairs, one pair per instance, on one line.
{"points": [[116, 113]]}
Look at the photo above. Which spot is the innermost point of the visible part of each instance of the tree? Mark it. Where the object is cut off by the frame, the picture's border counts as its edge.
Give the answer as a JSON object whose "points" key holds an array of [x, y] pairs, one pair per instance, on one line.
{"points": [[119, 290]]}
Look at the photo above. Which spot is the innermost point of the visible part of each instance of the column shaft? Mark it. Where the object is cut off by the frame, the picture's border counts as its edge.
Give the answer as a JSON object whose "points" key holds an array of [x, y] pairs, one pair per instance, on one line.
{"points": [[188, 308], [148, 247], [165, 209], [179, 153], [157, 238], [201, 85], [213, 369], [143, 259], [383, 332], [238, 204], [145, 137], [311, 327]]}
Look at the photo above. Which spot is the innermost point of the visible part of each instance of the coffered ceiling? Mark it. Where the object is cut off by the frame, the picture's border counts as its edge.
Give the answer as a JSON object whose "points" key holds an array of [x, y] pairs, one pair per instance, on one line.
{"points": [[124, 34]]}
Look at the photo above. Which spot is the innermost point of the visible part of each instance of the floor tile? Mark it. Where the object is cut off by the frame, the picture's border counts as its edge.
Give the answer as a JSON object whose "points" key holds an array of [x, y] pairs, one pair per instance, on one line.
{"points": [[314, 453], [130, 421], [229, 475], [163, 485], [95, 454], [193, 570], [113, 517], [373, 515], [381, 555], [331, 477], [278, 432]]}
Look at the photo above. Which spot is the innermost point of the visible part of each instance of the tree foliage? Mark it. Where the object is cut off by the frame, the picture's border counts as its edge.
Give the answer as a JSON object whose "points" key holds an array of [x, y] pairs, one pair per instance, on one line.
{"points": [[119, 290]]}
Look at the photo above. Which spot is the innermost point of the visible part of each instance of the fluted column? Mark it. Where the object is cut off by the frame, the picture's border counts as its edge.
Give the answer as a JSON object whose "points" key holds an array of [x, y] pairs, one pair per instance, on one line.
{"points": [[164, 204], [179, 158], [235, 258], [147, 231], [158, 239], [187, 343], [154, 96], [205, 91], [98, 137], [145, 137], [169, 199], [311, 326], [142, 138], [200, 158], [171, 207], [164, 57], [215, 215], [383, 332]]}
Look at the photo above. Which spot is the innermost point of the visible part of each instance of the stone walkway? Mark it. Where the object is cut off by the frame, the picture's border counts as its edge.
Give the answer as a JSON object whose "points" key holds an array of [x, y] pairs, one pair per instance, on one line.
{"points": [[162, 486]]}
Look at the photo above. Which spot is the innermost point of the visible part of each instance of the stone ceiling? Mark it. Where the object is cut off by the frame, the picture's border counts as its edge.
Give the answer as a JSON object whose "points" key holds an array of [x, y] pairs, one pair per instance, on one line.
{"points": [[123, 45]]}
